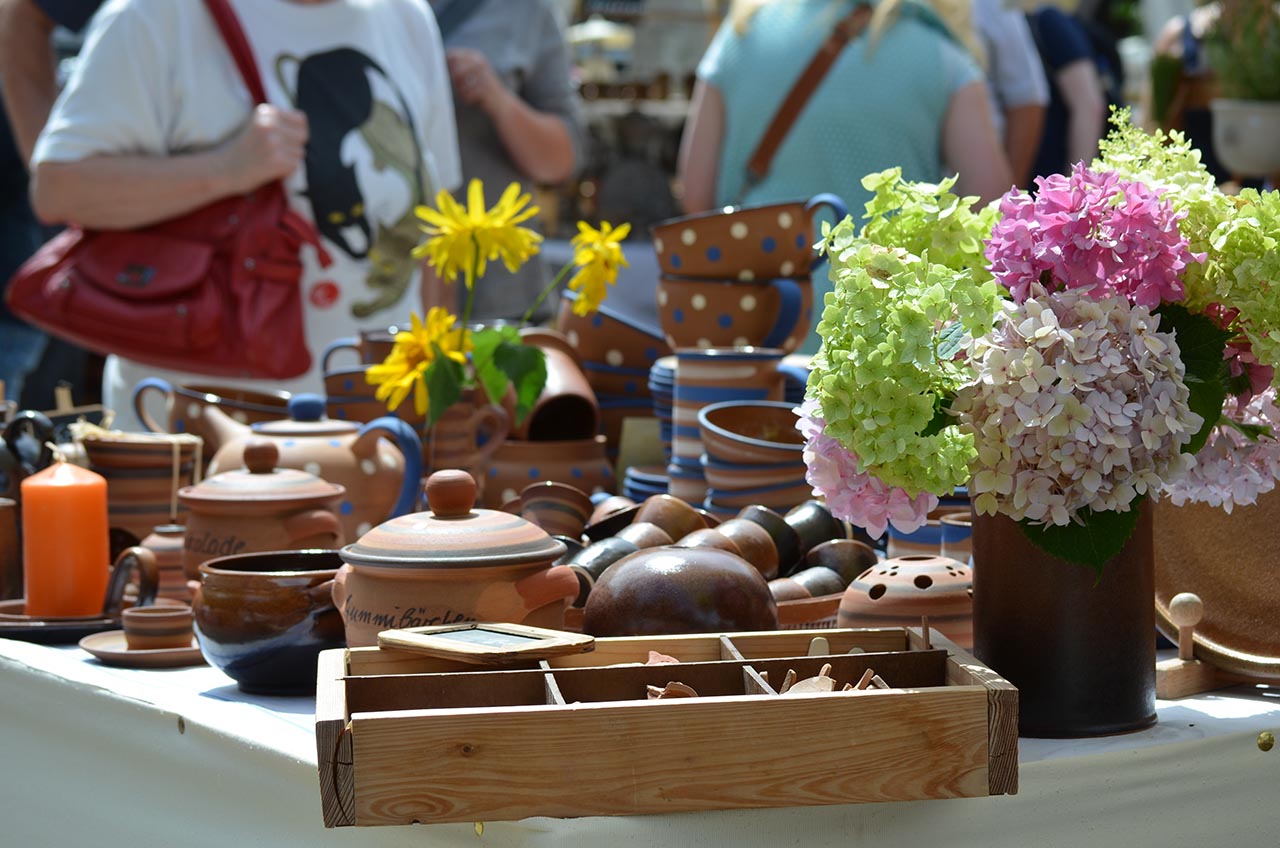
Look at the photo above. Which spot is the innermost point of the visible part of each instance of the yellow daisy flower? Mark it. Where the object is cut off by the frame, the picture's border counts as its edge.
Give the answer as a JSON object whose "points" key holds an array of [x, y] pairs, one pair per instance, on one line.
{"points": [[463, 240], [598, 255], [405, 368]]}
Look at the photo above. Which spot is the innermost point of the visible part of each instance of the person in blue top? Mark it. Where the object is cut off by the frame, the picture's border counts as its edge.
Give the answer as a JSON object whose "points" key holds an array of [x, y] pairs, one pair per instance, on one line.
{"points": [[1077, 116], [905, 93]]}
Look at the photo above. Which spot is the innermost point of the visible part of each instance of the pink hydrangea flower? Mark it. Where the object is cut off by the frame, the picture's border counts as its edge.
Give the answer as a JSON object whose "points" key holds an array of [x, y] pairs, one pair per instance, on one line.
{"points": [[850, 493], [1232, 469], [1093, 232]]}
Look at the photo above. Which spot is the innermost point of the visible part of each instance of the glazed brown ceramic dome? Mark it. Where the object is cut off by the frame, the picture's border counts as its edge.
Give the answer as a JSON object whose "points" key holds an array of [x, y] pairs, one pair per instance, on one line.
{"points": [[667, 590]]}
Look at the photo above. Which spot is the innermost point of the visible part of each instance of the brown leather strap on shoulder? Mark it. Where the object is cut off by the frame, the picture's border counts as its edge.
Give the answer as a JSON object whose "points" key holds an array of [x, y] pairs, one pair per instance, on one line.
{"points": [[848, 28]]}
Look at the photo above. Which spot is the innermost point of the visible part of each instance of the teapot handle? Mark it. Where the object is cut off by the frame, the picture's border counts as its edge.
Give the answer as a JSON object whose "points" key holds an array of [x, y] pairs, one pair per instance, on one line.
{"points": [[313, 522], [349, 343], [497, 422], [410, 445], [148, 579], [141, 389]]}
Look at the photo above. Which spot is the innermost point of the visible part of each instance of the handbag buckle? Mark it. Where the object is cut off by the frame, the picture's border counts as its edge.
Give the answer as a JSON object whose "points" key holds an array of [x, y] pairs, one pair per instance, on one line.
{"points": [[136, 276]]}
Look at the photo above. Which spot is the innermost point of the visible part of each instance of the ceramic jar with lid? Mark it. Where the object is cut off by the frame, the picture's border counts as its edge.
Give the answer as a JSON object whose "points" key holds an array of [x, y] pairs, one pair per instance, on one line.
{"points": [[261, 508], [452, 564], [381, 479]]}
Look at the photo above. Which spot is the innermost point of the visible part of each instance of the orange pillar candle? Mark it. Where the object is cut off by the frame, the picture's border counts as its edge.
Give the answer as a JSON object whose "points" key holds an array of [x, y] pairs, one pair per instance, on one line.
{"points": [[66, 549]]}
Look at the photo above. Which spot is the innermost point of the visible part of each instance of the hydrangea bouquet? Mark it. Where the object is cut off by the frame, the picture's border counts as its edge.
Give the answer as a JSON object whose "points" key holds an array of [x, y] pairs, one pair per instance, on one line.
{"points": [[436, 358], [1064, 355]]}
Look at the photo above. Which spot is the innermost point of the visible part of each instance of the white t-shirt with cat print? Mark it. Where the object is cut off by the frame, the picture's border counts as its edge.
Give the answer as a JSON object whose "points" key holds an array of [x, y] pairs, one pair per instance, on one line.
{"points": [[154, 78]]}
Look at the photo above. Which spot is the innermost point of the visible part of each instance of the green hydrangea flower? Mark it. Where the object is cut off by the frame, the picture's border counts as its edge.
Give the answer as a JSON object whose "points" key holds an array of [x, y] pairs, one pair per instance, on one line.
{"points": [[893, 326]]}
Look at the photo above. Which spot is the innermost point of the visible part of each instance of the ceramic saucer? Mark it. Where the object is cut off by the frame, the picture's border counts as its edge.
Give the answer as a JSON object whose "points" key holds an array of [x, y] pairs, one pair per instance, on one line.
{"points": [[110, 649]]}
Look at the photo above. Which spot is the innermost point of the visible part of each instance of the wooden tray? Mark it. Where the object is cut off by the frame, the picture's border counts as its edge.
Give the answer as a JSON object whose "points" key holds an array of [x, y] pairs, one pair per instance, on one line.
{"points": [[403, 738], [1229, 561]]}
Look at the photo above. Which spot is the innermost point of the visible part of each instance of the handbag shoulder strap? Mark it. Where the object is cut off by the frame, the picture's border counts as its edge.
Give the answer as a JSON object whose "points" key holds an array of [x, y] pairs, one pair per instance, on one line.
{"points": [[233, 35], [846, 30]]}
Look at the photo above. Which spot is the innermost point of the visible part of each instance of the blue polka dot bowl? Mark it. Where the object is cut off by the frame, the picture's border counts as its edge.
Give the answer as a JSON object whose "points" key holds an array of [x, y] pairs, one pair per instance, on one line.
{"points": [[746, 244], [724, 313], [614, 349], [581, 463]]}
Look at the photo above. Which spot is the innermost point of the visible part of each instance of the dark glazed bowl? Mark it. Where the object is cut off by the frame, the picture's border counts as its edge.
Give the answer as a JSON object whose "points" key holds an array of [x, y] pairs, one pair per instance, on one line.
{"points": [[679, 590], [263, 618]]}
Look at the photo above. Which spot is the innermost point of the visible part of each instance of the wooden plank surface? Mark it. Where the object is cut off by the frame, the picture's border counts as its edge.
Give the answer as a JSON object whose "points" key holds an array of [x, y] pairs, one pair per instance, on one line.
{"points": [[963, 669], [669, 756], [333, 743]]}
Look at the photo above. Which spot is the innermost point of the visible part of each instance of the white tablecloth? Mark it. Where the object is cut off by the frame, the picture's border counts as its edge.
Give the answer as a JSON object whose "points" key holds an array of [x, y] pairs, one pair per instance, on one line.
{"points": [[103, 757]]}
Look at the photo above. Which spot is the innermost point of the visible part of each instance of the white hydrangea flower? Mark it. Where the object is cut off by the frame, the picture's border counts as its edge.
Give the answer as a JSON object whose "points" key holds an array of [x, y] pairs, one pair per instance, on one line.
{"points": [[1077, 404]]}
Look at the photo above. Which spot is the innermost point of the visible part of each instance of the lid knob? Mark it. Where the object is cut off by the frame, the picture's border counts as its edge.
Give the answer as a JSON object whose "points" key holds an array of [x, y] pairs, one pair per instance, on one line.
{"points": [[261, 456], [451, 493], [306, 407]]}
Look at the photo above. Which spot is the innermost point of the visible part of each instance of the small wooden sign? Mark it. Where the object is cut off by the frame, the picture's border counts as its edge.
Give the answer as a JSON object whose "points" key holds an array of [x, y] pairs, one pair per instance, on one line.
{"points": [[486, 643]]}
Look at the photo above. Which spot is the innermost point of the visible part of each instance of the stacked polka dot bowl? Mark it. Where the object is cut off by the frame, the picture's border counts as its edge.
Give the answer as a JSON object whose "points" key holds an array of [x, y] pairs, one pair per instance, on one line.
{"points": [[739, 277]]}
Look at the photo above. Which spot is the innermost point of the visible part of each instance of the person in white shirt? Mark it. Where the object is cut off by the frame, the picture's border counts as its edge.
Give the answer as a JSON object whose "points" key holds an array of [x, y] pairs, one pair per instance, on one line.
{"points": [[156, 122]]}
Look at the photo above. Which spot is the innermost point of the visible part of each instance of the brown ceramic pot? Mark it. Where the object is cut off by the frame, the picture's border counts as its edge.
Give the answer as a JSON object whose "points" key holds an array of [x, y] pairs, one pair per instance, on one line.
{"points": [[264, 508], [454, 563], [1080, 648], [379, 464], [263, 618], [165, 542], [143, 471], [467, 436], [567, 408]]}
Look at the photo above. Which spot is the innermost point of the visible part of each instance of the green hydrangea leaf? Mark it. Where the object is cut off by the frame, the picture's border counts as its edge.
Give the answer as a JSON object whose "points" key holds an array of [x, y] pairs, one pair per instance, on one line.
{"points": [[1093, 543], [444, 379], [1202, 343]]}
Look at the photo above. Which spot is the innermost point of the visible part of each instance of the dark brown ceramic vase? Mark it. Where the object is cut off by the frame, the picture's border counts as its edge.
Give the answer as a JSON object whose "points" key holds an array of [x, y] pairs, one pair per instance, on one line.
{"points": [[1082, 654]]}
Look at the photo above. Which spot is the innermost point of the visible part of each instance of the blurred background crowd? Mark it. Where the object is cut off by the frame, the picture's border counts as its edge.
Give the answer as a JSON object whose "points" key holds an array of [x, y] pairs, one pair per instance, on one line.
{"points": [[125, 113]]}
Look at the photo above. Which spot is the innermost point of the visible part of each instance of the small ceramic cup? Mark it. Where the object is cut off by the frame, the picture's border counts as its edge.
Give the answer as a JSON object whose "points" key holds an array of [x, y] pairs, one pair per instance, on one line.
{"points": [[157, 628]]}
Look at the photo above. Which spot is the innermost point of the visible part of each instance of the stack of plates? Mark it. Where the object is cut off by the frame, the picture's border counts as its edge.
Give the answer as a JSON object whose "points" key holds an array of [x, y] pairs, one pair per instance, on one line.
{"points": [[644, 481], [662, 387]]}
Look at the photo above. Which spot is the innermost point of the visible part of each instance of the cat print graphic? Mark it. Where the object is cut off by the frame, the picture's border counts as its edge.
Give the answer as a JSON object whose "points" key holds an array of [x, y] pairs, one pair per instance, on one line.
{"points": [[361, 130]]}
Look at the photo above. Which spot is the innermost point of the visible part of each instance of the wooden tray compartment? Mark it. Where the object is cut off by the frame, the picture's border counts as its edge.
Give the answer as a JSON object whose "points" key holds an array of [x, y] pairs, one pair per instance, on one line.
{"points": [[404, 738]]}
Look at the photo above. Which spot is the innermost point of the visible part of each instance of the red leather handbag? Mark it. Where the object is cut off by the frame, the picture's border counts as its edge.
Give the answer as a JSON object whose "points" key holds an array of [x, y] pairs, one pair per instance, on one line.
{"points": [[216, 291]]}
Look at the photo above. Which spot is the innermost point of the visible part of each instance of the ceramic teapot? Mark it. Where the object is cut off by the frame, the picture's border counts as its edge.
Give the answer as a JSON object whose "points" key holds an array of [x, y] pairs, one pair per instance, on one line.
{"points": [[261, 508], [454, 563], [381, 479]]}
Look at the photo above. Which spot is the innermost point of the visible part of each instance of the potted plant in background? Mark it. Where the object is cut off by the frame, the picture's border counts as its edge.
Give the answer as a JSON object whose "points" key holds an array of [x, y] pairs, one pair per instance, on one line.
{"points": [[444, 361], [1244, 51], [1066, 356]]}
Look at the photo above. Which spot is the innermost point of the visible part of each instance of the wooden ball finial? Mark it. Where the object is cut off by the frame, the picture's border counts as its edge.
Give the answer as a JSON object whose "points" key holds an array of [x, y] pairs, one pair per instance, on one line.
{"points": [[1185, 611], [261, 455], [451, 493]]}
